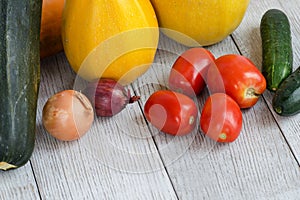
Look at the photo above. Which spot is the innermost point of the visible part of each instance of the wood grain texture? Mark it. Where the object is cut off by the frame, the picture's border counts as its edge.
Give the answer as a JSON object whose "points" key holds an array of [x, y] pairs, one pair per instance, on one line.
{"points": [[116, 159], [18, 184]]}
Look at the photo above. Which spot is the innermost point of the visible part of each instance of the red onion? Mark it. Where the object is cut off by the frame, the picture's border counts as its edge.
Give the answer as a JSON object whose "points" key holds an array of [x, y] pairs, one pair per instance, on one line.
{"points": [[108, 97]]}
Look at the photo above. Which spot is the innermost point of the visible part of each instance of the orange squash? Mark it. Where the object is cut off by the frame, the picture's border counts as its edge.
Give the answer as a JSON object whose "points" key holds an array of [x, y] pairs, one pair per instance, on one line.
{"points": [[50, 36]]}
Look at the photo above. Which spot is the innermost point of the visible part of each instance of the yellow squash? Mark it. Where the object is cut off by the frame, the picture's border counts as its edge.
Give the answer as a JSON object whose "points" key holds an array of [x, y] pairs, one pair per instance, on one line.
{"points": [[110, 39], [201, 22]]}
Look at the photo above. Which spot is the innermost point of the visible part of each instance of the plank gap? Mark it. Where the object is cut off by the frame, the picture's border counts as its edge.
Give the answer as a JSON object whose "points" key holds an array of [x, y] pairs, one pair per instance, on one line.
{"points": [[35, 180], [156, 145], [281, 131], [236, 44]]}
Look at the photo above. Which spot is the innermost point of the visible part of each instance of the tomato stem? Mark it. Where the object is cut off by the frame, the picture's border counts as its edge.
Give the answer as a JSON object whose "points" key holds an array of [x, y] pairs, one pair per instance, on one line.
{"points": [[191, 120], [223, 136], [250, 92]]}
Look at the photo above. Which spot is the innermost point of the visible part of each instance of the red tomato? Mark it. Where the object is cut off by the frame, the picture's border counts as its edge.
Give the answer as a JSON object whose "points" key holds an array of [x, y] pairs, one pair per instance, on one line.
{"points": [[238, 77], [221, 118], [189, 70], [171, 112]]}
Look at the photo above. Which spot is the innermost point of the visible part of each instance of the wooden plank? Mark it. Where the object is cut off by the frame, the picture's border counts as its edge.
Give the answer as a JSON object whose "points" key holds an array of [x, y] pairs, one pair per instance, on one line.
{"points": [[116, 159], [248, 32], [18, 184], [258, 165]]}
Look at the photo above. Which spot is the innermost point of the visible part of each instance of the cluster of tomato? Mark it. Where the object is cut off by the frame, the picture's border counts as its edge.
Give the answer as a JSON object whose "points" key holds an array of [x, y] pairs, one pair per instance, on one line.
{"points": [[233, 81]]}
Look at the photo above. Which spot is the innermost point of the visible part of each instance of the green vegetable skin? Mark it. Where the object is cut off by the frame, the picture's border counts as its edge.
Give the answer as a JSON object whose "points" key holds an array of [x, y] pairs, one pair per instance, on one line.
{"points": [[286, 101], [277, 54], [20, 75]]}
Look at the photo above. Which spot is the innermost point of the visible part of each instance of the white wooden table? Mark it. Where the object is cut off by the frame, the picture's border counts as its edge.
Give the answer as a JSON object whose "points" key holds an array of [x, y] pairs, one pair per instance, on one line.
{"points": [[124, 158]]}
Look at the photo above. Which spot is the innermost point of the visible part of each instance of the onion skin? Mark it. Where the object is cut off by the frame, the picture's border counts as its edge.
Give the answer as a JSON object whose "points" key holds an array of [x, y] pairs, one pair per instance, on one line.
{"points": [[108, 97], [68, 115]]}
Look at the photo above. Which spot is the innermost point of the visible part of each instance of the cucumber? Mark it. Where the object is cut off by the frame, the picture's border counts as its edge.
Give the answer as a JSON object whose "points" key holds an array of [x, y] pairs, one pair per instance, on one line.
{"points": [[286, 101], [277, 54], [20, 77]]}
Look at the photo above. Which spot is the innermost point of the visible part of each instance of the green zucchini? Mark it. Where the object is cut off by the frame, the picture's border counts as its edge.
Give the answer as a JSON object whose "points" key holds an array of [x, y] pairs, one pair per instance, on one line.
{"points": [[286, 101], [277, 54], [20, 77]]}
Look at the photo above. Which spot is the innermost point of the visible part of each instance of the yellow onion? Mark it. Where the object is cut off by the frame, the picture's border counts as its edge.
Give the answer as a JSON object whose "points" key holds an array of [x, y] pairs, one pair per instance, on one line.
{"points": [[68, 115]]}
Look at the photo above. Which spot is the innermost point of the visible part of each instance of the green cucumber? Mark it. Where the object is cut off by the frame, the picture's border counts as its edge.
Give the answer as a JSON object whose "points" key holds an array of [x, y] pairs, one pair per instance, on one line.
{"points": [[286, 101], [277, 54], [19, 83]]}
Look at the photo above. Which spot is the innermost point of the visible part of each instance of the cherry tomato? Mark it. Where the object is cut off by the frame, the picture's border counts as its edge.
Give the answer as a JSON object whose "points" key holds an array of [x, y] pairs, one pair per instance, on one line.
{"points": [[238, 77], [221, 118], [171, 112], [189, 70]]}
